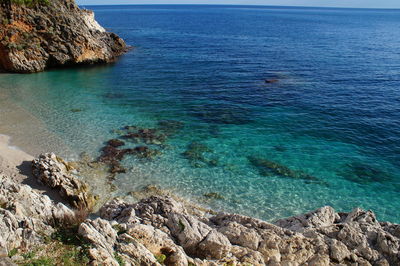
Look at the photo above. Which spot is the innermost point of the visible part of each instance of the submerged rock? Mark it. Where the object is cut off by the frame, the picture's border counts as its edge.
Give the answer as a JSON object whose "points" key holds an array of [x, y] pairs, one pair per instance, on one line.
{"points": [[53, 33], [196, 155], [269, 168], [170, 127], [116, 168], [148, 191], [110, 153], [280, 148], [213, 195], [111, 156], [115, 143], [364, 173], [130, 128], [112, 95], [222, 114], [146, 136], [145, 152], [150, 140], [54, 172]]}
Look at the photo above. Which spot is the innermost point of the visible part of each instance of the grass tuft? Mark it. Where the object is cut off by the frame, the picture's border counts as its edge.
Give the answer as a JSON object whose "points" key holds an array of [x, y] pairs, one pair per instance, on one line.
{"points": [[119, 259], [12, 252]]}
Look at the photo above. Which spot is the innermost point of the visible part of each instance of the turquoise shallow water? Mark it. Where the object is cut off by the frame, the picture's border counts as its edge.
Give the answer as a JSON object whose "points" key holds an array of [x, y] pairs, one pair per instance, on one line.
{"points": [[327, 133]]}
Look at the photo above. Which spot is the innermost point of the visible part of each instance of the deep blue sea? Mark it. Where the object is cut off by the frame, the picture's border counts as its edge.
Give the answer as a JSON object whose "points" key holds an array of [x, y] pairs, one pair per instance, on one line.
{"points": [[327, 132]]}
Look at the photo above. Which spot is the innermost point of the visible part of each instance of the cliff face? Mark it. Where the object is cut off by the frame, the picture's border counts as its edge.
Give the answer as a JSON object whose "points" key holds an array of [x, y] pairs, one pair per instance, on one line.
{"points": [[59, 33]]}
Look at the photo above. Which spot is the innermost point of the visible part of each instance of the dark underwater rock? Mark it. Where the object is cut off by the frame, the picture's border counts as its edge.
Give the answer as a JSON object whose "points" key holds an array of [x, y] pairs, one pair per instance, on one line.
{"points": [[141, 149], [111, 153], [270, 168], [195, 154], [147, 136], [150, 140], [115, 143], [145, 152], [112, 95], [214, 195], [130, 128], [170, 127], [116, 168], [151, 136], [362, 173], [111, 156], [214, 130], [280, 148], [222, 114]]}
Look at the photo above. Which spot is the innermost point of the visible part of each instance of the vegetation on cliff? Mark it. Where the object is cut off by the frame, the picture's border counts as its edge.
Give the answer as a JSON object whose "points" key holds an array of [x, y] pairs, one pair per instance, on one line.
{"points": [[7, 6], [24, 2]]}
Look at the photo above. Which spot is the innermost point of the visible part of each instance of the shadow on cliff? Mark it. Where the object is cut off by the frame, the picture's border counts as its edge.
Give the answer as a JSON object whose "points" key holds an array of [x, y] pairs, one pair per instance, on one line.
{"points": [[25, 169]]}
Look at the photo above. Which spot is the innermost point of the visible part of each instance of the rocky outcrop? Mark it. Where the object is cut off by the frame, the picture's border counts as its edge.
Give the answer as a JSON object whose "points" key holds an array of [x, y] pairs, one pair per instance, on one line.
{"points": [[323, 237], [163, 230], [26, 216], [52, 34], [54, 172]]}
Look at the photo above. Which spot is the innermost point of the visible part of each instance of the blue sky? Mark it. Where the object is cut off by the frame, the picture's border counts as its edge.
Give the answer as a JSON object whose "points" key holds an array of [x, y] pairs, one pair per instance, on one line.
{"points": [[326, 3]]}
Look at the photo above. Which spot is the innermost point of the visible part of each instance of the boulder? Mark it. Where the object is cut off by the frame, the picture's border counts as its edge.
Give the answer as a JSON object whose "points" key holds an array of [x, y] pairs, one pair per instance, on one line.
{"points": [[214, 246], [100, 234], [54, 172], [26, 216]]}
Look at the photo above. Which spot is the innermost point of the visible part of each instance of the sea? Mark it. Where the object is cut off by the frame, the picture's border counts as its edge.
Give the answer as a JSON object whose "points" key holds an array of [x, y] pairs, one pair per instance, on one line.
{"points": [[263, 111]]}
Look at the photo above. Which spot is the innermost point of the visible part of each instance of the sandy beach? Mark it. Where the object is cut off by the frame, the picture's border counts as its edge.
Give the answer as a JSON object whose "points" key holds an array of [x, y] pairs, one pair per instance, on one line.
{"points": [[12, 159], [22, 138], [26, 131]]}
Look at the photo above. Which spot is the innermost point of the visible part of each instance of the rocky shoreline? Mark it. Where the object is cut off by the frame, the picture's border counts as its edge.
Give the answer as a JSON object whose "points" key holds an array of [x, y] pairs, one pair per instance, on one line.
{"points": [[163, 230]]}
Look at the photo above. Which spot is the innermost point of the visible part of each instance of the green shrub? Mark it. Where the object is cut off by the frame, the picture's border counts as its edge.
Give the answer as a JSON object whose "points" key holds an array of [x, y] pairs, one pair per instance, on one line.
{"points": [[181, 226], [119, 259], [75, 257], [13, 252], [69, 236], [42, 261], [160, 258], [120, 230], [29, 255]]}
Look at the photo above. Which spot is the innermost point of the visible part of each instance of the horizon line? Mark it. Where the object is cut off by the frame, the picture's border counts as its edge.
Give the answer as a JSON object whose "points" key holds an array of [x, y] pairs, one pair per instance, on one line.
{"points": [[339, 7]]}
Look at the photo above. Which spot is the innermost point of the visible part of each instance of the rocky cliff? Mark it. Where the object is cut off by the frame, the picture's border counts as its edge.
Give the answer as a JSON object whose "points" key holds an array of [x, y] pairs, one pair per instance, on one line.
{"points": [[161, 230], [53, 33]]}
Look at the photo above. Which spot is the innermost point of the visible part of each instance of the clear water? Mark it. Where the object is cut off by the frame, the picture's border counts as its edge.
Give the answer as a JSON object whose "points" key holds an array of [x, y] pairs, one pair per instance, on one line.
{"points": [[334, 114]]}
